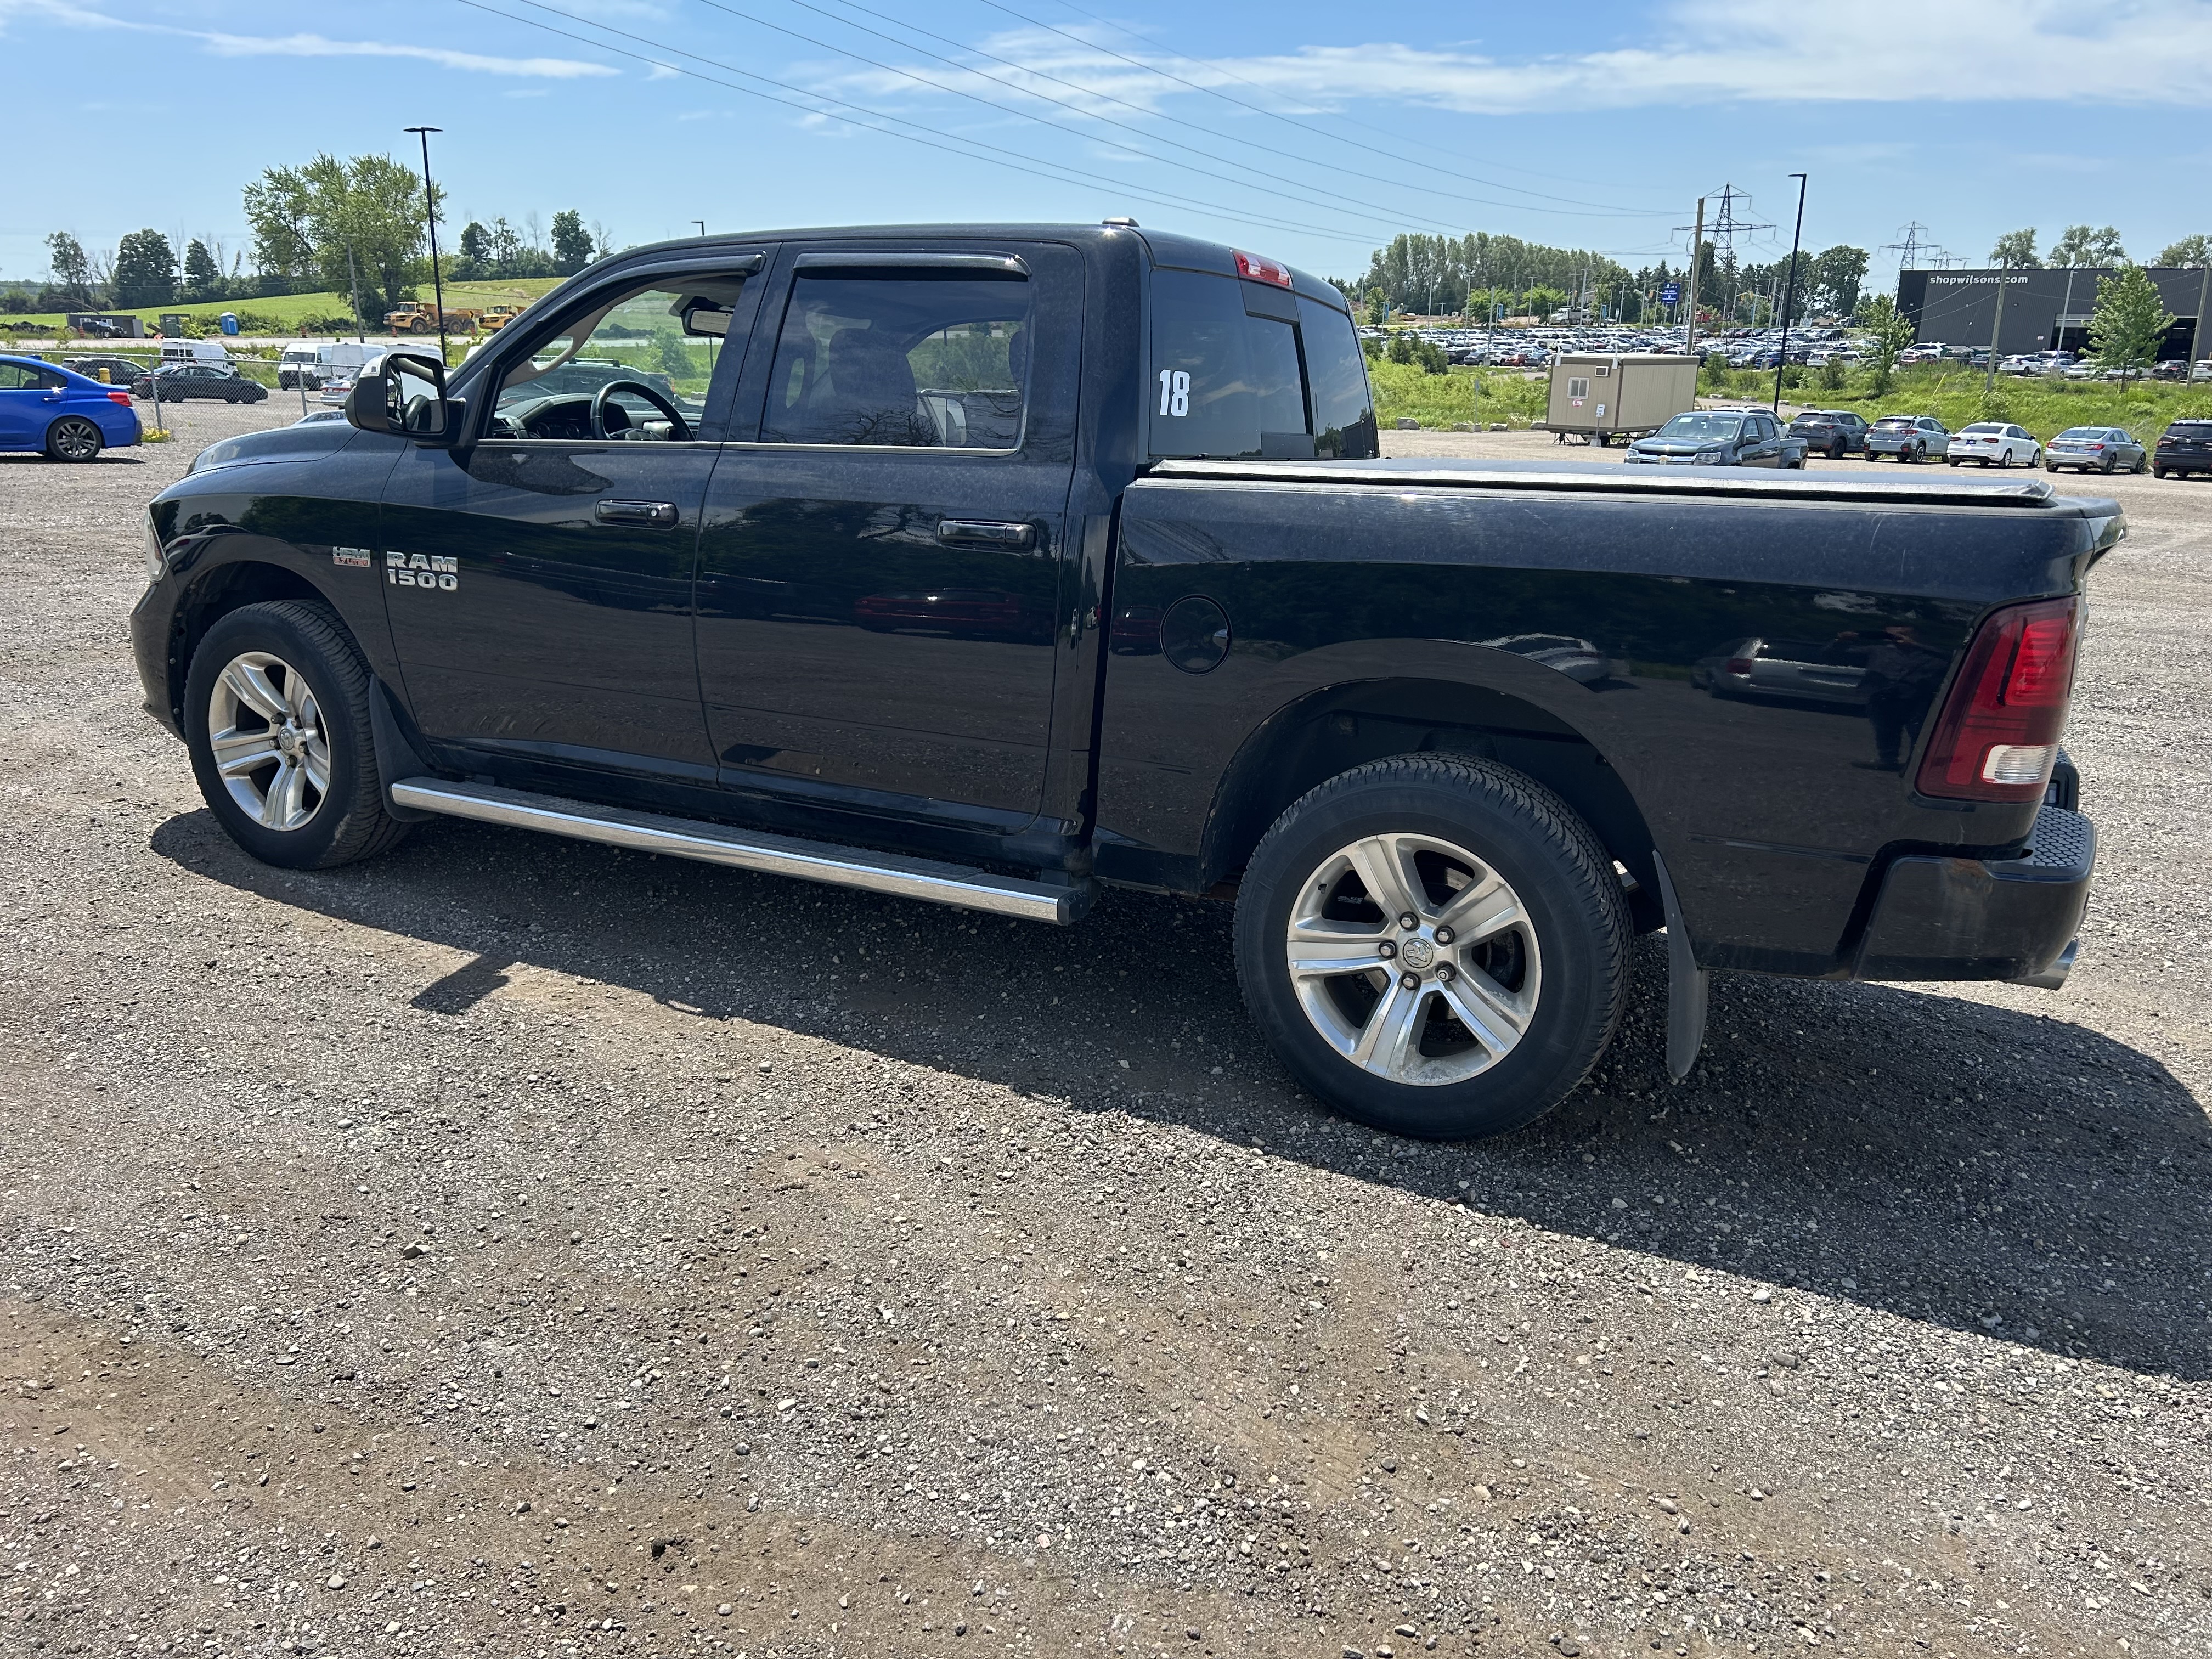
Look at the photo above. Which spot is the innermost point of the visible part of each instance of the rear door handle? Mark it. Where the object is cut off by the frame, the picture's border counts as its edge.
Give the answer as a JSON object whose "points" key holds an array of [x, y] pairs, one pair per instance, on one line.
{"points": [[996, 532], [663, 514]]}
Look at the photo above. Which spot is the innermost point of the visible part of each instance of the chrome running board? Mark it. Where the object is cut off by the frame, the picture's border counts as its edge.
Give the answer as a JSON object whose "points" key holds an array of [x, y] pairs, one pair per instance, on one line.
{"points": [[748, 849]]}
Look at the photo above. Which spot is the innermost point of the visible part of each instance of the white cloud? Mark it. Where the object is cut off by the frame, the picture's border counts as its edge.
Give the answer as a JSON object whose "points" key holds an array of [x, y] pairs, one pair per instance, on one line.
{"points": [[316, 45], [304, 45], [1750, 51], [1700, 52]]}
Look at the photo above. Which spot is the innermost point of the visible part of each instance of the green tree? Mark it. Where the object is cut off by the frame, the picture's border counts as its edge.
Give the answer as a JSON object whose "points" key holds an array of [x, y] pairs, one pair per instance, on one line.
{"points": [[145, 271], [202, 276], [571, 243], [306, 219], [71, 265], [1401, 347], [2015, 251], [476, 250], [2193, 251], [1890, 334], [2130, 321], [1541, 302], [1837, 274], [2080, 245], [1378, 307]]}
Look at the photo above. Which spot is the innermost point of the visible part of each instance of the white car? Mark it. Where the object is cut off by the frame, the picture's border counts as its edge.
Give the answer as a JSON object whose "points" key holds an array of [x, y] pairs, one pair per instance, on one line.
{"points": [[1994, 443]]}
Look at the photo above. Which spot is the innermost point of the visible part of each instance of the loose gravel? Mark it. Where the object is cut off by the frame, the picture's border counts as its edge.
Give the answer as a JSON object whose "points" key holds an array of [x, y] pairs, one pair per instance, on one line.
{"points": [[521, 1248]]}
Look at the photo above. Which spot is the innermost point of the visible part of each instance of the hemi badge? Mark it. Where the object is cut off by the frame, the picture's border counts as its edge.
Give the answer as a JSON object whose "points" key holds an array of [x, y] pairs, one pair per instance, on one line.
{"points": [[354, 558]]}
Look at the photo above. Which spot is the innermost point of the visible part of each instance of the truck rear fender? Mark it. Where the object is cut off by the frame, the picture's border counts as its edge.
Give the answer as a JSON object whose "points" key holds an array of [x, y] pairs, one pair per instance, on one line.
{"points": [[1332, 730]]}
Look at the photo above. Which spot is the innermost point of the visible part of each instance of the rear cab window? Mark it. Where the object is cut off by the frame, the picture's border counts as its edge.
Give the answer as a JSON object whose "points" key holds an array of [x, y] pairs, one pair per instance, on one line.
{"points": [[1242, 369]]}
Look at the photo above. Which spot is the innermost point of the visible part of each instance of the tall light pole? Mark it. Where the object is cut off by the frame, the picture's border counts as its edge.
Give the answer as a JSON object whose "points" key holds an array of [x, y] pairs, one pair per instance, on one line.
{"points": [[430, 218], [1789, 295], [701, 223]]}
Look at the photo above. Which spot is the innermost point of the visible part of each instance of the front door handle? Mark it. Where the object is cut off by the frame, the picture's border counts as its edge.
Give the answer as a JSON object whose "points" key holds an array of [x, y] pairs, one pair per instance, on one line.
{"points": [[663, 514], [995, 533]]}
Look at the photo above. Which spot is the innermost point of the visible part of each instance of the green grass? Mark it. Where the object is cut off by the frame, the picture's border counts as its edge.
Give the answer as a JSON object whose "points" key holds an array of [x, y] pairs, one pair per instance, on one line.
{"points": [[1465, 396], [290, 310]]}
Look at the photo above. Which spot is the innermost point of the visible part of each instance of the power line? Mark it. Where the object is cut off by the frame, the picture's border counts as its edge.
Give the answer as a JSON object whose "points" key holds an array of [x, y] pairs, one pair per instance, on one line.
{"points": [[937, 139], [1028, 115], [1106, 97], [1335, 138]]}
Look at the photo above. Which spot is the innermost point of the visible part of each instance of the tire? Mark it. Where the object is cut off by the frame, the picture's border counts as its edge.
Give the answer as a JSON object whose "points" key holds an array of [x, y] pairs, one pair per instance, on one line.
{"points": [[1836, 450], [2158, 472], [2142, 465], [295, 661], [73, 438], [2108, 469], [2050, 467], [1547, 982]]}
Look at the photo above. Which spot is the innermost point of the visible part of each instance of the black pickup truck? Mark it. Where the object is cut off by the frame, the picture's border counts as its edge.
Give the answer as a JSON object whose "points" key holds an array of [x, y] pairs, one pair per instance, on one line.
{"points": [[990, 564]]}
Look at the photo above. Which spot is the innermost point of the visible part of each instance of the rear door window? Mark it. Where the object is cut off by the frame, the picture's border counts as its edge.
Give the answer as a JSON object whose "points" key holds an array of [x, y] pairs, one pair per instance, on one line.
{"points": [[1231, 385], [902, 357]]}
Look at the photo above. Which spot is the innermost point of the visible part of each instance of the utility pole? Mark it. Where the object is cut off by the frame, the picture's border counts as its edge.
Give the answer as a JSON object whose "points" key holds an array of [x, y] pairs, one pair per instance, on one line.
{"points": [[353, 281], [2196, 333], [1697, 252], [430, 219], [1997, 322], [1789, 295]]}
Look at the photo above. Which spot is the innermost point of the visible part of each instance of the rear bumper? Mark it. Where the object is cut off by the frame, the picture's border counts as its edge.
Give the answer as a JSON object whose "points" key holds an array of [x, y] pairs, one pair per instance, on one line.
{"points": [[1940, 918]]}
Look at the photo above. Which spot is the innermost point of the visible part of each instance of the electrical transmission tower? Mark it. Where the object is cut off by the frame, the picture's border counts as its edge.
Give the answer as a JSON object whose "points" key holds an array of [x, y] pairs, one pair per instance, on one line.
{"points": [[1917, 243], [1730, 221]]}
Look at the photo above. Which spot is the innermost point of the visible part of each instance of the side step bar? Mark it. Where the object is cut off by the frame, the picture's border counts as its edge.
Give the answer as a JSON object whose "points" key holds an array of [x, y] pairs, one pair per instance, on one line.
{"points": [[750, 849]]}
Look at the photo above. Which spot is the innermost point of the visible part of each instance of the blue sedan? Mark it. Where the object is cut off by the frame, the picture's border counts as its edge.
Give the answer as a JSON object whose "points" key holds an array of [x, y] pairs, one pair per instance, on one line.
{"points": [[68, 415]]}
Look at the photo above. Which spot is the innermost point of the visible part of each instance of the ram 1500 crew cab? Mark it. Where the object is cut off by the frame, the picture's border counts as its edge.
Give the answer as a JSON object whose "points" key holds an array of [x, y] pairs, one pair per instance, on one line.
{"points": [[991, 564]]}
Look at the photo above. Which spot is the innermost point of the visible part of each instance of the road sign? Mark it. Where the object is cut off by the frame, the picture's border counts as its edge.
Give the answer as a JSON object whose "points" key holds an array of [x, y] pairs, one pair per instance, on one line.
{"points": [[1669, 292]]}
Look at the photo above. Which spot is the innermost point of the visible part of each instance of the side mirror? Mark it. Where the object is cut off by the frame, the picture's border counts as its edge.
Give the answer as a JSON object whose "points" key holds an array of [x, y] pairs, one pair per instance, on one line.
{"points": [[704, 317], [404, 395]]}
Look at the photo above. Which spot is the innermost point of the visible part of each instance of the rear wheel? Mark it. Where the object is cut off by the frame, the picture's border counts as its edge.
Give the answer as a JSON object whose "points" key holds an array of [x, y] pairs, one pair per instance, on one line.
{"points": [[73, 438], [1835, 449], [1435, 944], [277, 722], [2158, 472]]}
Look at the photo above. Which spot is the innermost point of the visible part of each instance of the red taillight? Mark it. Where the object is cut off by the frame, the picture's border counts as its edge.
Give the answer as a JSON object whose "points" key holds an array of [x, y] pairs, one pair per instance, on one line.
{"points": [[123, 398], [1737, 665], [1997, 735], [1253, 268]]}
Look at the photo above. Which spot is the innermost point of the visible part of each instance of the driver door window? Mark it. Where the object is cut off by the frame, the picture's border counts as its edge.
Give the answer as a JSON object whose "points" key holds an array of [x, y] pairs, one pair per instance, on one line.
{"points": [[628, 370]]}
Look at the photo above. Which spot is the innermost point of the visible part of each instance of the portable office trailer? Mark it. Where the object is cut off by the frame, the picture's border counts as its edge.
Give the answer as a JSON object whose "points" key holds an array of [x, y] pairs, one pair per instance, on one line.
{"points": [[1624, 395]]}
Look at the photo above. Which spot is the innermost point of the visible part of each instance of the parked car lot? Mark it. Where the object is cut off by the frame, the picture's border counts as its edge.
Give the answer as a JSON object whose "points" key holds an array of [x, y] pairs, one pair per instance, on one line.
{"points": [[1989, 1187]]}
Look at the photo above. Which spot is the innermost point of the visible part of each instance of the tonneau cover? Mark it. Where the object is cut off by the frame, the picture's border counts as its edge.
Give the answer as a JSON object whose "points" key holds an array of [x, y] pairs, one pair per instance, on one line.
{"points": [[1945, 489]]}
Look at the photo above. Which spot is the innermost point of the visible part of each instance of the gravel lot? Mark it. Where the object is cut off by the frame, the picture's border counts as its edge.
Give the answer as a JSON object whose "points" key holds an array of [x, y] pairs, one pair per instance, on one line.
{"points": [[521, 1248]]}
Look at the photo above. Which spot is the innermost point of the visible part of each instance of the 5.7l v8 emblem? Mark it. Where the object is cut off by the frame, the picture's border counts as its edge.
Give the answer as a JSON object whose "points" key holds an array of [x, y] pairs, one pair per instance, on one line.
{"points": [[421, 570]]}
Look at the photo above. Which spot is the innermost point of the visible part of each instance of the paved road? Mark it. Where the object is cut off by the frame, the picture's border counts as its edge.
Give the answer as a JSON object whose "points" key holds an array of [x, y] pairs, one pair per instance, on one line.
{"points": [[516, 1246]]}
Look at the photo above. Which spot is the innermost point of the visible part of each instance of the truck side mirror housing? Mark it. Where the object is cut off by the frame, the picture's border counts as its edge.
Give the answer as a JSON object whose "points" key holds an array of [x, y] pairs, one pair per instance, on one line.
{"points": [[405, 395]]}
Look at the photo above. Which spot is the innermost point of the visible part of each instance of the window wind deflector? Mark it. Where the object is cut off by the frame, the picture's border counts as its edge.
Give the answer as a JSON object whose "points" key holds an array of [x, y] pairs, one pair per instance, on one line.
{"points": [[721, 265], [1003, 264]]}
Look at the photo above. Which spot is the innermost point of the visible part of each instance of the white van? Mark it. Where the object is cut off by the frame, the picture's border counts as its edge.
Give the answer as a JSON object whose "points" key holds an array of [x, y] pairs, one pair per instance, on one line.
{"points": [[309, 365], [194, 351]]}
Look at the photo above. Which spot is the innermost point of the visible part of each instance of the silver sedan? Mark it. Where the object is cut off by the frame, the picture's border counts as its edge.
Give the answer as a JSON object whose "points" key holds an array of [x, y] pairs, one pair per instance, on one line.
{"points": [[2096, 449]]}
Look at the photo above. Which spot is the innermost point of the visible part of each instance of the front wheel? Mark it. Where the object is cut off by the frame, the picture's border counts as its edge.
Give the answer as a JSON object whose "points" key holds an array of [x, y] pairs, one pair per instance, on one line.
{"points": [[1435, 945], [73, 438], [277, 722]]}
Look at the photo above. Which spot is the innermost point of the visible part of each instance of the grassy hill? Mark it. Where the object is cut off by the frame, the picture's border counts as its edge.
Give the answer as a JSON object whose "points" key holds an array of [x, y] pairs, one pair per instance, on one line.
{"points": [[288, 309]]}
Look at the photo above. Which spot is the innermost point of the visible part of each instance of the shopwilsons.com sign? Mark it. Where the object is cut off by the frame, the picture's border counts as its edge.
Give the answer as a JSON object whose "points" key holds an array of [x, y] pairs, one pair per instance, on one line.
{"points": [[1989, 276]]}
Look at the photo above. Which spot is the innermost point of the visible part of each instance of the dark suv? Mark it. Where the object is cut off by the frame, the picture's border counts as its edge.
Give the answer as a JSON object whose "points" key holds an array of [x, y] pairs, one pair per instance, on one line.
{"points": [[1835, 433], [2183, 448]]}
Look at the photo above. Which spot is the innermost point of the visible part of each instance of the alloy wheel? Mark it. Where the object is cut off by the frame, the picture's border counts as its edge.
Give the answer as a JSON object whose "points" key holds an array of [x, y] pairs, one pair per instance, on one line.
{"points": [[75, 439], [265, 732], [1414, 959]]}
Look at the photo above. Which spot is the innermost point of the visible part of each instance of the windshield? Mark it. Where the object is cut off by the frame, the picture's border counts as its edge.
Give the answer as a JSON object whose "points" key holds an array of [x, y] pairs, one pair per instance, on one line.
{"points": [[1895, 420], [1700, 428], [2083, 432], [1982, 430]]}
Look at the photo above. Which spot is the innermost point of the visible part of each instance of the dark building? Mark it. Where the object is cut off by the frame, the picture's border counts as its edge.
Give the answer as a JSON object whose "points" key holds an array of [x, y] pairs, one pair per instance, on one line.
{"points": [[2044, 310]]}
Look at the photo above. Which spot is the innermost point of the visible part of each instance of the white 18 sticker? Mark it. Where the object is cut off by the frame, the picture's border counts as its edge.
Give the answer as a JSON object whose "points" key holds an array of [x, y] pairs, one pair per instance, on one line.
{"points": [[1174, 392]]}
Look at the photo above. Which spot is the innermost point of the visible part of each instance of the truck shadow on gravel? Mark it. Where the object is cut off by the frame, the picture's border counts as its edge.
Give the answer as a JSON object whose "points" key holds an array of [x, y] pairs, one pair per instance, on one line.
{"points": [[1969, 1166]]}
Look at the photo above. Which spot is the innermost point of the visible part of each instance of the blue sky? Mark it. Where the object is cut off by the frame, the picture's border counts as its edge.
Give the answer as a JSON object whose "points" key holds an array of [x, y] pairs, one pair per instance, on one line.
{"points": [[1308, 132]]}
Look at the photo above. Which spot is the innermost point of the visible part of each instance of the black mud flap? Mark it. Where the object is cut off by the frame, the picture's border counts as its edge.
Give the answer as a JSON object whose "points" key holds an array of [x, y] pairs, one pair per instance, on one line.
{"points": [[395, 755], [1688, 985]]}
